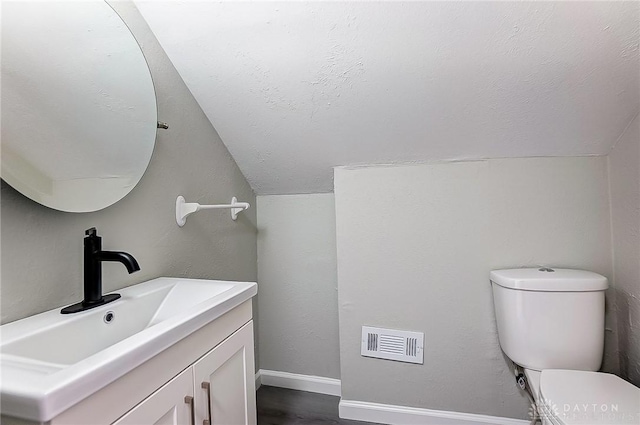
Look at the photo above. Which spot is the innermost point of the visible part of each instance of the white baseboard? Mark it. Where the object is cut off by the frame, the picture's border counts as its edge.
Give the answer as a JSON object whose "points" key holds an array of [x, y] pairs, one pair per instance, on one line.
{"points": [[374, 412], [258, 379], [399, 415], [294, 381]]}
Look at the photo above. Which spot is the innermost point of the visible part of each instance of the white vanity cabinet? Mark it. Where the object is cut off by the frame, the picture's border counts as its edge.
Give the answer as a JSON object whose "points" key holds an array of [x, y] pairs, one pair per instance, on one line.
{"points": [[218, 389], [163, 389], [169, 351]]}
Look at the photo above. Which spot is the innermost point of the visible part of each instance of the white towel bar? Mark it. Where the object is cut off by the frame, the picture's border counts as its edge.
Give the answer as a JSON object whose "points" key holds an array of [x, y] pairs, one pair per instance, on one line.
{"points": [[185, 209]]}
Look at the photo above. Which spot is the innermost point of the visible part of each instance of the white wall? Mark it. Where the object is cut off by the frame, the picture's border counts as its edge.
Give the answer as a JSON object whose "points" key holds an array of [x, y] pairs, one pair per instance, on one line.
{"points": [[42, 248], [624, 174], [298, 299], [415, 246]]}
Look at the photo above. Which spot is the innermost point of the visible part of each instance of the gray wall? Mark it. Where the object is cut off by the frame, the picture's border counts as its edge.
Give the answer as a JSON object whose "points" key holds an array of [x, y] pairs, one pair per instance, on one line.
{"points": [[624, 174], [42, 248], [415, 246], [298, 284]]}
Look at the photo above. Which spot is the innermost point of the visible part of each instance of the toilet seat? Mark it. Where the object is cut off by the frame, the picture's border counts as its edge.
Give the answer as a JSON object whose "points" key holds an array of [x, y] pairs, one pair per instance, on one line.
{"points": [[571, 397]]}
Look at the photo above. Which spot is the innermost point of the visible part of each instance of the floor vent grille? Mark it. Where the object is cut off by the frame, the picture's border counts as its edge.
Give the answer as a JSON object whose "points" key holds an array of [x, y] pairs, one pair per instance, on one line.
{"points": [[390, 344]]}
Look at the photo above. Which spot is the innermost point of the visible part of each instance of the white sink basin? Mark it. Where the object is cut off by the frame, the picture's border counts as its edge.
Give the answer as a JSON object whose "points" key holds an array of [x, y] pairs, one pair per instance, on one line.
{"points": [[51, 361]]}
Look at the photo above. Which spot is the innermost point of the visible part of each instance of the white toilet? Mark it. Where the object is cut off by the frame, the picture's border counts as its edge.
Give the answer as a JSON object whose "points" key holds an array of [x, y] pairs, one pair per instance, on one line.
{"points": [[551, 324]]}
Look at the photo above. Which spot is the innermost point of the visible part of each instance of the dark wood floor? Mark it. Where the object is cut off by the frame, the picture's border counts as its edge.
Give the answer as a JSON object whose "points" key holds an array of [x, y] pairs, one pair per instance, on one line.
{"points": [[279, 406]]}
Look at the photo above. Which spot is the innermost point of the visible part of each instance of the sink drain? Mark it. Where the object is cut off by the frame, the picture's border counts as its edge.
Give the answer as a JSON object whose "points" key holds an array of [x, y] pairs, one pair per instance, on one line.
{"points": [[109, 317]]}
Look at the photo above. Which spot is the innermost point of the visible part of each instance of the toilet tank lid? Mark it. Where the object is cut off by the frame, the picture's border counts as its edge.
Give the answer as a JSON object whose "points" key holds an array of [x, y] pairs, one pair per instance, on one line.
{"points": [[549, 280]]}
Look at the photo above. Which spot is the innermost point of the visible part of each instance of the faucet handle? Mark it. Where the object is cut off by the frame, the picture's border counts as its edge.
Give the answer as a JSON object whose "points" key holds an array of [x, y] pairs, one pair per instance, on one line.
{"points": [[90, 232]]}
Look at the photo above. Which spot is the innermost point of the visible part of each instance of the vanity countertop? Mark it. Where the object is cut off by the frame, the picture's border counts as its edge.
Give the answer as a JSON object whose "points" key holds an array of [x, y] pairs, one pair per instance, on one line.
{"points": [[50, 361]]}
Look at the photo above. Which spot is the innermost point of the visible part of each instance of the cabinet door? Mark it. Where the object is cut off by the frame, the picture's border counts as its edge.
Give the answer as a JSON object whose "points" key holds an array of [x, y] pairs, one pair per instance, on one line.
{"points": [[172, 404], [224, 381]]}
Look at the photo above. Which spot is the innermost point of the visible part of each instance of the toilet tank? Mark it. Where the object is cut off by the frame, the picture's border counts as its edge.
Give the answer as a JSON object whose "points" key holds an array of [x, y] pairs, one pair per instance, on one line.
{"points": [[550, 318]]}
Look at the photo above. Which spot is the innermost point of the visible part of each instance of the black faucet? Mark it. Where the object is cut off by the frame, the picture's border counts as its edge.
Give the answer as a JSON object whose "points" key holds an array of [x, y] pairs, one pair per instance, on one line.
{"points": [[93, 258]]}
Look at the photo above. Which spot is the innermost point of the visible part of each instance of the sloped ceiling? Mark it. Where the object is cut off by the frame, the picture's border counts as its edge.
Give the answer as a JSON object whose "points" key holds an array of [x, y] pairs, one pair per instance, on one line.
{"points": [[295, 88]]}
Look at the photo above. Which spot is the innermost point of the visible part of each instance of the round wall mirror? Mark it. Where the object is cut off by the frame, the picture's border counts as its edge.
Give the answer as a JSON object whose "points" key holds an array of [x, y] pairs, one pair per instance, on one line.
{"points": [[78, 106]]}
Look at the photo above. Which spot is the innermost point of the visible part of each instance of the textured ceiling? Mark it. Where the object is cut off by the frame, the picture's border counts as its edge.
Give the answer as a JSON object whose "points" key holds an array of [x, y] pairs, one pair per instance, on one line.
{"points": [[295, 88]]}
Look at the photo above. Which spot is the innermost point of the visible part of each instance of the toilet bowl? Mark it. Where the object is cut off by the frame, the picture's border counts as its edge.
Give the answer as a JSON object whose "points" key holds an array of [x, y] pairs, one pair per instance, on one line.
{"points": [[551, 324], [572, 397]]}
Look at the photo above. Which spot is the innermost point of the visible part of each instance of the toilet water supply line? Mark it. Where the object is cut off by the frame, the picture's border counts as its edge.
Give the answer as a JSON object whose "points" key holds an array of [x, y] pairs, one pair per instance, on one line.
{"points": [[521, 380]]}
